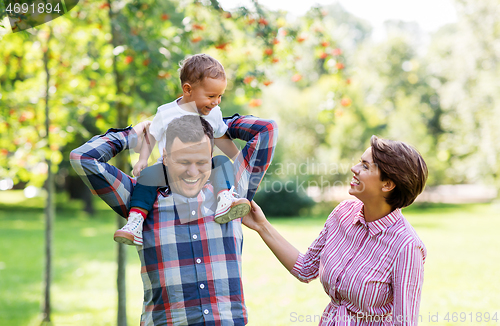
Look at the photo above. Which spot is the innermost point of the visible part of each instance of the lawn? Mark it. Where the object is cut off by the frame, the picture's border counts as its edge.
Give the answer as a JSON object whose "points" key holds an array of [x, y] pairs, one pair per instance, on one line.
{"points": [[461, 272]]}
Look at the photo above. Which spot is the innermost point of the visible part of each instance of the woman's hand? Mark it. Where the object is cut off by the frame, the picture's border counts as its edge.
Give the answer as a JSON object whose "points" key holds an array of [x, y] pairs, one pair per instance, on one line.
{"points": [[255, 219]]}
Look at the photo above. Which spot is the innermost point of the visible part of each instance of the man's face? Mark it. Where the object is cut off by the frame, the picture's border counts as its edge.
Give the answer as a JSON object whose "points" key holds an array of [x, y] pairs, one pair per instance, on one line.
{"points": [[188, 166]]}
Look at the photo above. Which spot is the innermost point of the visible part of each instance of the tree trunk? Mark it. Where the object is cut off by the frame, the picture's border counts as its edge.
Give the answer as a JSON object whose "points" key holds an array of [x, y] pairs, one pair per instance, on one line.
{"points": [[49, 206], [122, 164]]}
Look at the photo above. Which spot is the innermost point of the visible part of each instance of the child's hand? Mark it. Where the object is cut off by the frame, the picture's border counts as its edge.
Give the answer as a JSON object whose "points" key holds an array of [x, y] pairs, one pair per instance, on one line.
{"points": [[141, 127], [139, 166]]}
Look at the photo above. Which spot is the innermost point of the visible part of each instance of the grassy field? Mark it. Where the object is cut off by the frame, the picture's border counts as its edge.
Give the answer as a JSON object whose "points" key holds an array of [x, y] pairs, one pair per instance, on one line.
{"points": [[461, 272]]}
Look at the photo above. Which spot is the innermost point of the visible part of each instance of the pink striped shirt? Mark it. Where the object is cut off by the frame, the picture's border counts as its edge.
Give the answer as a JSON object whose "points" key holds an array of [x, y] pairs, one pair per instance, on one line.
{"points": [[373, 272]]}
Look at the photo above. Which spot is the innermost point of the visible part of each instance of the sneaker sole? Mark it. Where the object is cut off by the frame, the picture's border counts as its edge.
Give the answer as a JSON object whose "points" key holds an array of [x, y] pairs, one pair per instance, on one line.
{"points": [[223, 212], [126, 238], [236, 211]]}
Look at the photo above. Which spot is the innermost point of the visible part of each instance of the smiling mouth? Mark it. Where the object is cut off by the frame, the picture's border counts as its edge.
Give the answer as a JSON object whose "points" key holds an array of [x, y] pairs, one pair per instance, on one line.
{"points": [[354, 181], [191, 181]]}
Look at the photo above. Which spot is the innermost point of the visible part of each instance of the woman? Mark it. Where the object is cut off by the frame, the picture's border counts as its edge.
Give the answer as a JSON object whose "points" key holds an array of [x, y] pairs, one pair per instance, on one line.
{"points": [[368, 257]]}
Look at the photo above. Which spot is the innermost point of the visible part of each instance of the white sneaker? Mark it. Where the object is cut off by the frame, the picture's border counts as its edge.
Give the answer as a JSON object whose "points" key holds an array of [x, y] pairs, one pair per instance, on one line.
{"points": [[230, 207], [131, 233]]}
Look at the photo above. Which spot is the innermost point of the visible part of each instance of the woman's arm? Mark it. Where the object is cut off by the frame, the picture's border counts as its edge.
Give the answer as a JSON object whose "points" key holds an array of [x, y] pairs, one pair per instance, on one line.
{"points": [[286, 253], [304, 267], [408, 278]]}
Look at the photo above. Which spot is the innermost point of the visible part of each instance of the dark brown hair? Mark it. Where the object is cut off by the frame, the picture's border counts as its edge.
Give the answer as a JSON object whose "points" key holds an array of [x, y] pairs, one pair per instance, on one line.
{"points": [[196, 67], [403, 165], [189, 129]]}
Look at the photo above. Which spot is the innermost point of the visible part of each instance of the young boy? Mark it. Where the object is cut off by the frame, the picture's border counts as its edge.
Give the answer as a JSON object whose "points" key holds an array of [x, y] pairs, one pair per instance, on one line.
{"points": [[203, 81]]}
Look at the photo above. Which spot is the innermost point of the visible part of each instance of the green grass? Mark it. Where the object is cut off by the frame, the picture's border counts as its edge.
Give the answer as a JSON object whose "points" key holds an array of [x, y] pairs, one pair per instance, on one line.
{"points": [[461, 271]]}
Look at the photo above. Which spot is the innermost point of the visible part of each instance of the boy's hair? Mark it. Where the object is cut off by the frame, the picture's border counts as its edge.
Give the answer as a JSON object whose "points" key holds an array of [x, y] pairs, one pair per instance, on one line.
{"points": [[403, 165], [189, 129], [196, 67]]}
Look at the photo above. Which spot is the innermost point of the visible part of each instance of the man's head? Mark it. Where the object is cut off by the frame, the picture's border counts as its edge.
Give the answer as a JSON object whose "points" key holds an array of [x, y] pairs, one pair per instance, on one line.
{"points": [[188, 154], [203, 82]]}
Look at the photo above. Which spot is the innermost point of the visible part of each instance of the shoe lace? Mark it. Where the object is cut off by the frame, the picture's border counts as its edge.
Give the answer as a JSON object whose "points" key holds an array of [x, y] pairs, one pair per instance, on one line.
{"points": [[233, 193], [135, 221]]}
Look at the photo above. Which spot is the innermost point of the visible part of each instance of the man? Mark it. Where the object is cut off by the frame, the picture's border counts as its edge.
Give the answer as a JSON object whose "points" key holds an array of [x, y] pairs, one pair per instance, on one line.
{"points": [[190, 265]]}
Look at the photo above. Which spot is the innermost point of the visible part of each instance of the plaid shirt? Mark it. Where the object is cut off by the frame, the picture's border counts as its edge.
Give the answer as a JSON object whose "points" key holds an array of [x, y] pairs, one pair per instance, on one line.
{"points": [[190, 265]]}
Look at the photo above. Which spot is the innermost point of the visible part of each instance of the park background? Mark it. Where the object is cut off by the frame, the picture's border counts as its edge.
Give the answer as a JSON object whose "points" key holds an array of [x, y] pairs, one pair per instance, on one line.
{"points": [[329, 79]]}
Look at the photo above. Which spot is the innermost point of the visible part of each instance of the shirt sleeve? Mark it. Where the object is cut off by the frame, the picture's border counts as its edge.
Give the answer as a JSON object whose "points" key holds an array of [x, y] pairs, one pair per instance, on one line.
{"points": [[104, 180], [157, 127], [408, 278], [254, 159], [306, 267]]}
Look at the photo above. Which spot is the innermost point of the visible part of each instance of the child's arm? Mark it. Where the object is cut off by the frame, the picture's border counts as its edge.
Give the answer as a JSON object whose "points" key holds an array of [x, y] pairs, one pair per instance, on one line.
{"points": [[226, 145], [146, 149]]}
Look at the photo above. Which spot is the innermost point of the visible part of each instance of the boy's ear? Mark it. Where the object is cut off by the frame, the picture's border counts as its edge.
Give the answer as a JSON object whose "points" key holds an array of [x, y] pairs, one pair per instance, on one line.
{"points": [[187, 88], [388, 185]]}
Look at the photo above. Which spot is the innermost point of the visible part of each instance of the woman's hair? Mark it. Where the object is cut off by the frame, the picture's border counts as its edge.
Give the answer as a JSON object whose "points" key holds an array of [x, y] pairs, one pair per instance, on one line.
{"points": [[403, 165], [189, 129], [199, 66]]}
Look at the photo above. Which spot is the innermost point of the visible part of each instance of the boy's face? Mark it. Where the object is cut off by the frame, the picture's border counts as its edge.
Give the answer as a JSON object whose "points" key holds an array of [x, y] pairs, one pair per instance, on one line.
{"points": [[207, 94]]}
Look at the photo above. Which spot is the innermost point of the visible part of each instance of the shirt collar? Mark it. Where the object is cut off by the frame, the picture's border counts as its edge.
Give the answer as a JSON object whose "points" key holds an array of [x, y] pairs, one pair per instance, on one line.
{"points": [[200, 204], [379, 225]]}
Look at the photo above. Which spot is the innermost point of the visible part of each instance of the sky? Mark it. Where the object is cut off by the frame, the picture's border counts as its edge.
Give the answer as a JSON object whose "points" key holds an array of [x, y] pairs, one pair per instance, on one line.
{"points": [[429, 14]]}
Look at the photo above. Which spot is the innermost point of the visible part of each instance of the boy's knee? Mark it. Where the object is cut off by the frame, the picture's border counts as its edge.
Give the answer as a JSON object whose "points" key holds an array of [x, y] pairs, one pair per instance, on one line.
{"points": [[272, 125], [269, 126]]}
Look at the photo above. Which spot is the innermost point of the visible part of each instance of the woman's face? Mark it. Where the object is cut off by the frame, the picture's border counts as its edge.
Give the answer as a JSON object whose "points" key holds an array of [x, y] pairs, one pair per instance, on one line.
{"points": [[366, 184]]}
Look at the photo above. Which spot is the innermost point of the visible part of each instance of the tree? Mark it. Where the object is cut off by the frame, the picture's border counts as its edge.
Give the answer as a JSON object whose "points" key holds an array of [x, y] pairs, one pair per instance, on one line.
{"points": [[466, 71], [49, 184]]}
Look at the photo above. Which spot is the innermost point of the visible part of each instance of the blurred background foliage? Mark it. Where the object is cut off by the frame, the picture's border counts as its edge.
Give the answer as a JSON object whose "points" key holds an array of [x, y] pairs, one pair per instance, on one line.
{"points": [[321, 76]]}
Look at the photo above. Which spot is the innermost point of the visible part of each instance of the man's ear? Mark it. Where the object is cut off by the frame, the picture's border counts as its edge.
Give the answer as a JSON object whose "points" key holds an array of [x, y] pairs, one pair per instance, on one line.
{"points": [[164, 157], [388, 185]]}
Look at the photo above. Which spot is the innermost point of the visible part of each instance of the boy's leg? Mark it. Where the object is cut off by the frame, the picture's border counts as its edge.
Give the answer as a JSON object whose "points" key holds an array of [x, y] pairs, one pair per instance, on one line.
{"points": [[229, 205], [222, 177], [141, 202]]}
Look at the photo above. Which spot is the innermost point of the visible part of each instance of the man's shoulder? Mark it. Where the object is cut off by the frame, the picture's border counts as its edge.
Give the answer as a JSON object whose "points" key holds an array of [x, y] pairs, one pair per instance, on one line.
{"points": [[153, 176]]}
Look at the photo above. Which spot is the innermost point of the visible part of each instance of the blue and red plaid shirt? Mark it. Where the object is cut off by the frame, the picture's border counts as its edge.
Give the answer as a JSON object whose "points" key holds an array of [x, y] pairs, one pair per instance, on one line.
{"points": [[190, 265]]}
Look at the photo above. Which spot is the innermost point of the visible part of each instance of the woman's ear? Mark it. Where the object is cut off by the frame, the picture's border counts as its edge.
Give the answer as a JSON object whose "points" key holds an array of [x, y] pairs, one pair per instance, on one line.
{"points": [[388, 185]]}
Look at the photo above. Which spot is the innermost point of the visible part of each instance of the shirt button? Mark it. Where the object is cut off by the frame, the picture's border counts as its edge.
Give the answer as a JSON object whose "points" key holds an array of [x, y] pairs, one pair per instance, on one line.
{"points": [[202, 286], [206, 311], [198, 260], [195, 236], [193, 212]]}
